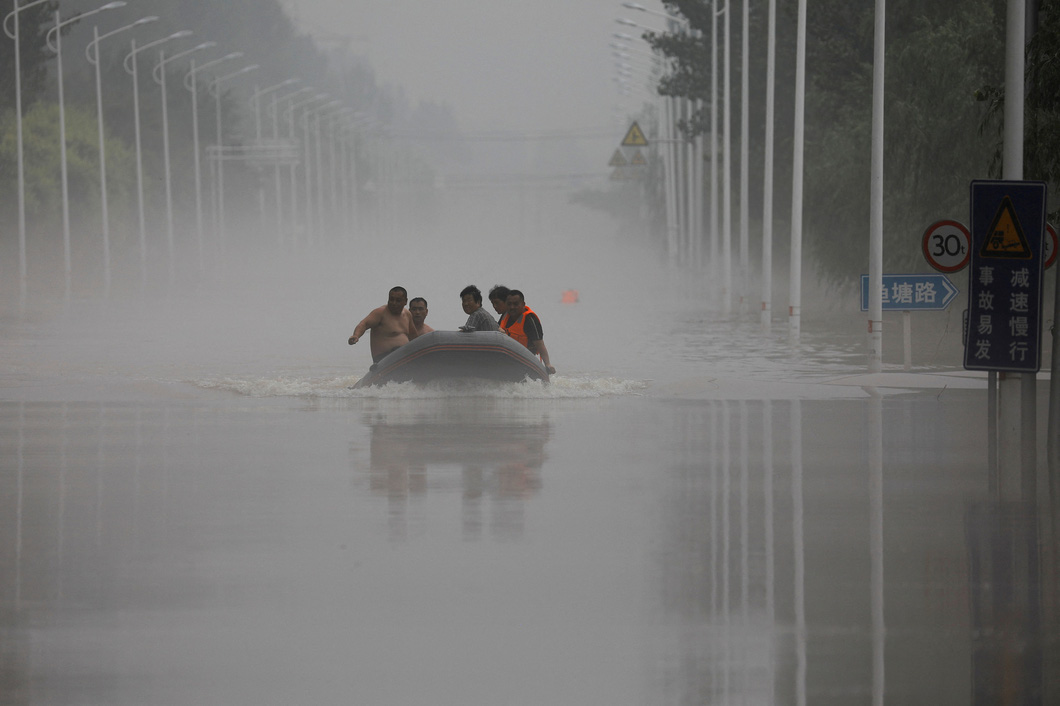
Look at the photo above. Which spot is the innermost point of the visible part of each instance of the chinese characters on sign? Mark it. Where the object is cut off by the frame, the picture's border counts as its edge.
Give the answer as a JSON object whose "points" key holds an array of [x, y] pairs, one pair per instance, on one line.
{"points": [[1005, 292], [918, 292]]}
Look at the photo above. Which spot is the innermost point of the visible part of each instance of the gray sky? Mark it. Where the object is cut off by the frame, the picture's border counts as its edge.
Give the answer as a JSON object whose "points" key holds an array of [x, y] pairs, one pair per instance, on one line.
{"points": [[500, 64]]}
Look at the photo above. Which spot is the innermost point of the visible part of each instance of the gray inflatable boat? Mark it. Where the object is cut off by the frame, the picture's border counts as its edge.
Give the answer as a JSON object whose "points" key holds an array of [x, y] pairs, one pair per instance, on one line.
{"points": [[475, 355]]}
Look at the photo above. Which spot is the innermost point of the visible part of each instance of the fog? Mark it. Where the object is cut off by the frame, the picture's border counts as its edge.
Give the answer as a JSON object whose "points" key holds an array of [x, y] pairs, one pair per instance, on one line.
{"points": [[196, 507]]}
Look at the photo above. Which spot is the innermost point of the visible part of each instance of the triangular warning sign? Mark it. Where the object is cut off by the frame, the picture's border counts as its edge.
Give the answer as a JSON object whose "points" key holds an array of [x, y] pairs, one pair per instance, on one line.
{"points": [[1005, 238], [638, 159], [618, 159], [634, 137]]}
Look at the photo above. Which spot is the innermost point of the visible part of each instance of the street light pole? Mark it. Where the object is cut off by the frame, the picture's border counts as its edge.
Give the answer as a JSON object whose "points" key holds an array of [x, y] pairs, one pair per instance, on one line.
{"points": [[306, 163], [215, 86], [14, 34], [256, 101], [795, 284], [131, 67], [159, 75], [191, 85], [766, 315], [276, 100], [58, 49], [92, 55]]}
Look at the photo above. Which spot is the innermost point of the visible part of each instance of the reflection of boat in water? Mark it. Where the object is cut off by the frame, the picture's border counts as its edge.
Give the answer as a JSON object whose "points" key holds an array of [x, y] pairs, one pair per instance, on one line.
{"points": [[479, 355], [489, 455]]}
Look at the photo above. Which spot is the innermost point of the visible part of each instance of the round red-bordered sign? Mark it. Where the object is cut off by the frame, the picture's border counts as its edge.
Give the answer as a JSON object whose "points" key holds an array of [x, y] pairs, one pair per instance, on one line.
{"points": [[1050, 245], [946, 246]]}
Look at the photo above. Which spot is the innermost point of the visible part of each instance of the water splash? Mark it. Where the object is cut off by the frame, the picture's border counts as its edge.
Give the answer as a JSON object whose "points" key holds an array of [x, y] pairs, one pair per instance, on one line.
{"points": [[561, 387]]}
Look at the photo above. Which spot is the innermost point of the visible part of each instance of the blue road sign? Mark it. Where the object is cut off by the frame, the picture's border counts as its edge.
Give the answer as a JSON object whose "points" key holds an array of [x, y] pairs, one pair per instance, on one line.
{"points": [[1005, 276], [925, 292]]}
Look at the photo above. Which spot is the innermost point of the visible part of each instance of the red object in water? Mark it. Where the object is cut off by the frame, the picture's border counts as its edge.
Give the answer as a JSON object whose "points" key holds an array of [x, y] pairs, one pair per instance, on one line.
{"points": [[570, 296]]}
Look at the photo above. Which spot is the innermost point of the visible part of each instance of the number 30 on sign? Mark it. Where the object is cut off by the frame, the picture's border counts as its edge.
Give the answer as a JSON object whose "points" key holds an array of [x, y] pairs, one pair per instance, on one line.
{"points": [[945, 246]]}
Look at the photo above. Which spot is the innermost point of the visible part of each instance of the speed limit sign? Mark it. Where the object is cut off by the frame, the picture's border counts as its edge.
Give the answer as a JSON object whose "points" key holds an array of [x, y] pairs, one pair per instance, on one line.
{"points": [[945, 246], [1050, 245]]}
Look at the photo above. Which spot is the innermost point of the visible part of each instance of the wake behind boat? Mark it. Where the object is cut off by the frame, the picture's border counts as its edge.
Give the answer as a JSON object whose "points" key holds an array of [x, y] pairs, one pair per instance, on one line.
{"points": [[475, 355]]}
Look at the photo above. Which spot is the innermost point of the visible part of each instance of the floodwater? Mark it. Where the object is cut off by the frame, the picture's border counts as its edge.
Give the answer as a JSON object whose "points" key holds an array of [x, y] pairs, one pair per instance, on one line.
{"points": [[195, 508]]}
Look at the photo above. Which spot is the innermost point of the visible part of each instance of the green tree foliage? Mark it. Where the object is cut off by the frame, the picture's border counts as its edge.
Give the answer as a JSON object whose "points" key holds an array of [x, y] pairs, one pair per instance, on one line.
{"points": [[40, 133], [260, 29], [938, 53], [1041, 157], [33, 24]]}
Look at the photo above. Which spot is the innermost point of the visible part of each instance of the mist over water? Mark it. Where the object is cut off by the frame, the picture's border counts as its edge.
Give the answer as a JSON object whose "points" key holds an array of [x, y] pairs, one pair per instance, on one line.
{"points": [[197, 507]]}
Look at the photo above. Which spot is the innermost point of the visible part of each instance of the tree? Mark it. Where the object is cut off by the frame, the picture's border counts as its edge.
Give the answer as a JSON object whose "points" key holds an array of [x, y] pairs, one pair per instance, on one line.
{"points": [[938, 53], [34, 56]]}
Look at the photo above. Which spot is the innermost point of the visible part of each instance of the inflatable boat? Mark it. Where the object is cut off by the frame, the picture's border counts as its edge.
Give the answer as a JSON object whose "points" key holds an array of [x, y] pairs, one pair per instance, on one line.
{"points": [[475, 355]]}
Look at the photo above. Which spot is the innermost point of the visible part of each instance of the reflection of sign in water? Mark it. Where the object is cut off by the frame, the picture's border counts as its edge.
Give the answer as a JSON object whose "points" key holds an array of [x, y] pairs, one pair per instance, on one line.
{"points": [[492, 467], [1006, 588], [927, 292]]}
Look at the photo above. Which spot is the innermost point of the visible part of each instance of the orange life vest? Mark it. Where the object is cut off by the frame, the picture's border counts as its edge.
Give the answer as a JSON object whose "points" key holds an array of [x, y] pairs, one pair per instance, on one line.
{"points": [[515, 329]]}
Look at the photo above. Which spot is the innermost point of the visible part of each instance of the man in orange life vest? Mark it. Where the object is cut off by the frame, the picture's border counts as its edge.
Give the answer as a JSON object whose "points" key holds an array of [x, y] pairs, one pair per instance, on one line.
{"points": [[522, 324]]}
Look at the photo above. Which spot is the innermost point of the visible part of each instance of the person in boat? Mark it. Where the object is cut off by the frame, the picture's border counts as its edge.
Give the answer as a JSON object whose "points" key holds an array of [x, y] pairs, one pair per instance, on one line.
{"points": [[521, 323], [418, 309], [499, 298], [391, 325], [478, 319]]}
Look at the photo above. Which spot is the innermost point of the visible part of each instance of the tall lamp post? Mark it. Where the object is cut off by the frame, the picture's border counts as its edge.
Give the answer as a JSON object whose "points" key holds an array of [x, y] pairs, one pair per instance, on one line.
{"points": [[318, 115], [13, 33], [131, 65], [276, 101], [215, 87], [306, 163], [159, 75], [92, 54], [57, 47], [256, 103], [192, 86]]}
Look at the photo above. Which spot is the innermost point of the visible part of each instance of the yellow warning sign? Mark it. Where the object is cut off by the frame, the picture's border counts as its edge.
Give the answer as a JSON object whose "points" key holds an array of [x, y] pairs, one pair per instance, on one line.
{"points": [[634, 137], [618, 159], [638, 159], [1005, 238]]}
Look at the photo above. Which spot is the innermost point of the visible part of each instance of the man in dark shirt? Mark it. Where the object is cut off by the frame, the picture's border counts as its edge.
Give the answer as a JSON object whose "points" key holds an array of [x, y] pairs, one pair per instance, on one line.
{"points": [[478, 319], [499, 299]]}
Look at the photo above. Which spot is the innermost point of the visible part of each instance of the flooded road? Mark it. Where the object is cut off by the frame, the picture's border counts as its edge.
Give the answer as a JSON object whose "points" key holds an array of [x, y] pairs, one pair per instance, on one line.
{"points": [[218, 519]]}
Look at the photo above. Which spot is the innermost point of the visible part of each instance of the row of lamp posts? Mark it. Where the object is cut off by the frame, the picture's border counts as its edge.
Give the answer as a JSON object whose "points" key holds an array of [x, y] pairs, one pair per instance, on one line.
{"points": [[690, 228], [315, 108]]}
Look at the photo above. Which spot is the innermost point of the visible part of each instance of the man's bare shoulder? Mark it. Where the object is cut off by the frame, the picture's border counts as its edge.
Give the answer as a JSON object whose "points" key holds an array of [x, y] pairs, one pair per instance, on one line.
{"points": [[375, 315]]}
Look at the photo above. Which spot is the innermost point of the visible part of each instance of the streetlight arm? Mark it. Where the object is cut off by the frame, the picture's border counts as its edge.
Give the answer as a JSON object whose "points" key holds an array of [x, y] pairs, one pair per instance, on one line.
{"points": [[94, 44], [215, 87], [127, 63], [14, 14], [48, 38], [312, 99], [156, 73], [209, 64]]}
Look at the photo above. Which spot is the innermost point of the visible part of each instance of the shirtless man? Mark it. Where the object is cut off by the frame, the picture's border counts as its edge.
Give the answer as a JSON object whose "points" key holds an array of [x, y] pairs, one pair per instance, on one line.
{"points": [[418, 309], [391, 325]]}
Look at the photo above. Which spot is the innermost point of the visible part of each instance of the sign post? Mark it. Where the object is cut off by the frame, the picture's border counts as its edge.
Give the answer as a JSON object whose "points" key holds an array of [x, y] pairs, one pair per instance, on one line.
{"points": [[907, 293]]}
